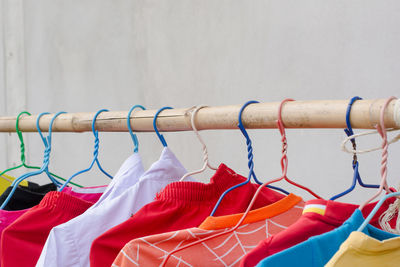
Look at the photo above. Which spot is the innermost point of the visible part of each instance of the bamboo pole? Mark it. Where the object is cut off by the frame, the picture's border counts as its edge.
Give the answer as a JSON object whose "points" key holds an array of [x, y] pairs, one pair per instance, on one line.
{"points": [[296, 114]]}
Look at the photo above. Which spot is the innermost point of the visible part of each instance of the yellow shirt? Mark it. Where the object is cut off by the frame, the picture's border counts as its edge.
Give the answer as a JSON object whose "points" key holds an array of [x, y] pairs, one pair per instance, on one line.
{"points": [[362, 250], [6, 180]]}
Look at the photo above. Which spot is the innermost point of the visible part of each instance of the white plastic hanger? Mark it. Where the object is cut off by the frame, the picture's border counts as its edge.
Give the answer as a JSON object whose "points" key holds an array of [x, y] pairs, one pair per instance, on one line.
{"points": [[205, 152]]}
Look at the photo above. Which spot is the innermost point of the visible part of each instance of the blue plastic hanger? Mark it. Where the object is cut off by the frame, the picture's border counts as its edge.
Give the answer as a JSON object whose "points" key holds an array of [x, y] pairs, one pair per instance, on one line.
{"points": [[250, 163], [375, 209], [160, 136], [134, 137], [95, 153], [356, 175], [46, 159]]}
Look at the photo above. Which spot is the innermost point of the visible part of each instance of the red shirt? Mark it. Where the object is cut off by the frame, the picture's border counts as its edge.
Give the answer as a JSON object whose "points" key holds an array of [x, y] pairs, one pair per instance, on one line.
{"points": [[179, 206], [224, 250], [91, 194], [319, 216], [23, 241]]}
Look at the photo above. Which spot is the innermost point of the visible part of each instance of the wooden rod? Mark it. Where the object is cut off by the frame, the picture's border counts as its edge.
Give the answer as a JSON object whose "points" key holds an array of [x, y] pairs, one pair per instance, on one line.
{"points": [[296, 114]]}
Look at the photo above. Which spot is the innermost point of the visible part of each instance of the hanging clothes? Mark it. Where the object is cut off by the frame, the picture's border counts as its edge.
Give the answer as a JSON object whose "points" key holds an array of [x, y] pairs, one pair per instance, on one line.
{"points": [[226, 250], [319, 216], [7, 217], [318, 250], [23, 240], [179, 206], [60, 249], [361, 249]]}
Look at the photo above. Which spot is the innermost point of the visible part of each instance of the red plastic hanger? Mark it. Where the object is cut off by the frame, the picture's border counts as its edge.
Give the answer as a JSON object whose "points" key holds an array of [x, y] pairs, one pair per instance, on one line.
{"points": [[284, 159]]}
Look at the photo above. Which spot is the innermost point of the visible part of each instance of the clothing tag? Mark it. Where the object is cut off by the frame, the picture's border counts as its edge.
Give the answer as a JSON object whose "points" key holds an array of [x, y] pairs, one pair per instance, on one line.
{"points": [[316, 208]]}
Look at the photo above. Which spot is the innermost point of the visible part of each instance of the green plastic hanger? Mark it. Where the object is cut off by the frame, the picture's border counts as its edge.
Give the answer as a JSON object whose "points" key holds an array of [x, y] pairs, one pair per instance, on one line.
{"points": [[22, 146]]}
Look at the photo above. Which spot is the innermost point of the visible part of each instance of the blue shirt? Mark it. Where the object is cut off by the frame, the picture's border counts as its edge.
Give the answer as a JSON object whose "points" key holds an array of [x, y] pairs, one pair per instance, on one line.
{"points": [[318, 250]]}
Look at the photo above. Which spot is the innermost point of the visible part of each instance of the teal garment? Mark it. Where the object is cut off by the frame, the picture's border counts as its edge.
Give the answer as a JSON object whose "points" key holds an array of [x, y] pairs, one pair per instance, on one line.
{"points": [[318, 250]]}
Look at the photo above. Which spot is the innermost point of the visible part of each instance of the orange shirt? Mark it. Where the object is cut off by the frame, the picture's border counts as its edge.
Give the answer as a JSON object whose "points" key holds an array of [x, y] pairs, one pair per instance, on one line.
{"points": [[224, 250]]}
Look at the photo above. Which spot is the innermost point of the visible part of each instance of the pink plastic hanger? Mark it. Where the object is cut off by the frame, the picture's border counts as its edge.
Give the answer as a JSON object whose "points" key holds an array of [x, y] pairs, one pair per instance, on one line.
{"points": [[284, 160], [382, 132]]}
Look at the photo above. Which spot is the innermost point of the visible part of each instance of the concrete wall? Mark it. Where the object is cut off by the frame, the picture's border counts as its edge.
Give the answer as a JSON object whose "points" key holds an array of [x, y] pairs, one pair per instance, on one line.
{"points": [[86, 55]]}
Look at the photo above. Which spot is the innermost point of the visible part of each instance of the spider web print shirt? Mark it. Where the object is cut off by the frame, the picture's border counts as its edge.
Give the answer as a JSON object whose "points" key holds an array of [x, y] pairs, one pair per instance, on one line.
{"points": [[225, 250]]}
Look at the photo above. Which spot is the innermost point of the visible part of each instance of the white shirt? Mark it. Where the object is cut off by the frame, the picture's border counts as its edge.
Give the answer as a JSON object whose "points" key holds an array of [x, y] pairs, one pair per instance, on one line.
{"points": [[127, 175], [69, 244]]}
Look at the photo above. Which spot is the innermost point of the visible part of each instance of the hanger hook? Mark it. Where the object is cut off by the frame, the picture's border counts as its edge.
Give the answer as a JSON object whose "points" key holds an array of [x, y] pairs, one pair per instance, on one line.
{"points": [[51, 129], [20, 137], [128, 121], [47, 142], [97, 141], [160, 136], [281, 127], [193, 123], [96, 145], [248, 140], [38, 127], [95, 132], [383, 133], [385, 145], [240, 122], [205, 152], [349, 129]]}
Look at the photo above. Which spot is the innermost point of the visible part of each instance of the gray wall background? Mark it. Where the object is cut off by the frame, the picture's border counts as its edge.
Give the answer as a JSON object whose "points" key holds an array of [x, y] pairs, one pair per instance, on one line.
{"points": [[86, 55]]}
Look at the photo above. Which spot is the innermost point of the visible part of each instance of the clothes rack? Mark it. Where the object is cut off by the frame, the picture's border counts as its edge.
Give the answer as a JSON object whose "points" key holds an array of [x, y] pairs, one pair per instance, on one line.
{"points": [[296, 114]]}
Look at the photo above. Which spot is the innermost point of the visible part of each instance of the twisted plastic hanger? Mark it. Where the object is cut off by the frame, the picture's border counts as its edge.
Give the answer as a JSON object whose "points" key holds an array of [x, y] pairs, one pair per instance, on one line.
{"points": [[356, 174], [133, 136], [250, 161], [284, 159], [47, 144], [22, 149], [46, 159], [382, 132], [160, 136], [205, 152], [95, 153]]}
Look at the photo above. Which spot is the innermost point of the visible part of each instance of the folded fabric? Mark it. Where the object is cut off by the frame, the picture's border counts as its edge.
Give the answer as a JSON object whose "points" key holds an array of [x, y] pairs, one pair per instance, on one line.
{"points": [[363, 250], [319, 216], [225, 250], [318, 250], [23, 240], [69, 244], [179, 206]]}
